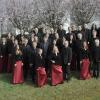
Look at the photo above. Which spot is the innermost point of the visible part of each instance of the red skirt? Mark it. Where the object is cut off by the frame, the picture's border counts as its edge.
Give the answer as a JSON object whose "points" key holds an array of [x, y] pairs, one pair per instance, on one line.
{"points": [[85, 73], [56, 75], [18, 73], [41, 76]]}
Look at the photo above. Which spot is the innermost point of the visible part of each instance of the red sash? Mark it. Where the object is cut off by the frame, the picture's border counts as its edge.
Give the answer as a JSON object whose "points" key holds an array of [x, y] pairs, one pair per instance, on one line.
{"points": [[18, 73], [41, 76], [57, 74], [85, 74]]}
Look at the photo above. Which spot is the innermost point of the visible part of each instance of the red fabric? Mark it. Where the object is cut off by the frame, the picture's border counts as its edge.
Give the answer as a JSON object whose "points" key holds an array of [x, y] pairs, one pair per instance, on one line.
{"points": [[41, 76], [18, 73], [85, 74], [57, 74]]}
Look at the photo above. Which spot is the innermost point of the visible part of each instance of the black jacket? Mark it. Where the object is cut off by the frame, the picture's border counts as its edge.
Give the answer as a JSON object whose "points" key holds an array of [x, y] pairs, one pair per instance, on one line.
{"points": [[56, 58], [84, 54], [96, 54], [66, 55], [3, 50], [39, 61], [25, 53], [32, 53]]}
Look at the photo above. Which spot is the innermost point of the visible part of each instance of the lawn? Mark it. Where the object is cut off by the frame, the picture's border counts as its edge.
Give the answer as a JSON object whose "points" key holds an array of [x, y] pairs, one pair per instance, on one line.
{"points": [[74, 90]]}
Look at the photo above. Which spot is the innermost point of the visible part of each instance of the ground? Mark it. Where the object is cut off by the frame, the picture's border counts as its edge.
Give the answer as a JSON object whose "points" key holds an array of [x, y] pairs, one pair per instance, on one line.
{"points": [[74, 90]]}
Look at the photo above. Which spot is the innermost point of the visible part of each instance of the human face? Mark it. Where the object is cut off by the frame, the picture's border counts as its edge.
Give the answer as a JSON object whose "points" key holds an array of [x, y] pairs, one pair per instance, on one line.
{"points": [[94, 33], [66, 43], [97, 42], [79, 36], [34, 44], [80, 28], [40, 51]]}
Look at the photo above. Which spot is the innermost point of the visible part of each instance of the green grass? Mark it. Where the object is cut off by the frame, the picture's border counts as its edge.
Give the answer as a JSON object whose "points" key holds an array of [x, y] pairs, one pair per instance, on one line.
{"points": [[74, 90]]}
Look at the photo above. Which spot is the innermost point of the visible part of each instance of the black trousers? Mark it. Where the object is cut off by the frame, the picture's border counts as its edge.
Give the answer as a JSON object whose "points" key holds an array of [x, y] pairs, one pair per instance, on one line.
{"points": [[78, 63], [96, 69], [26, 70], [32, 73], [66, 72]]}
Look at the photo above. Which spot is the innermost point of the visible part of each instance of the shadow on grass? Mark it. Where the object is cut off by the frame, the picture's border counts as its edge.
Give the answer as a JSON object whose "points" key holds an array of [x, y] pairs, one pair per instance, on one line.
{"points": [[75, 74], [6, 78]]}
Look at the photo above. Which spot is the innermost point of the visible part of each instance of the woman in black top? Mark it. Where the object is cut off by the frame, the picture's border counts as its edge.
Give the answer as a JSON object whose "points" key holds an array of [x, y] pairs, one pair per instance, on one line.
{"points": [[39, 58], [84, 62], [41, 77], [18, 67], [56, 68]]}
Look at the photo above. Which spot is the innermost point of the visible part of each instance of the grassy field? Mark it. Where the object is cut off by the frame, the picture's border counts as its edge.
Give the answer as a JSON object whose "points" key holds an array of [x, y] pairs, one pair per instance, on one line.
{"points": [[74, 90]]}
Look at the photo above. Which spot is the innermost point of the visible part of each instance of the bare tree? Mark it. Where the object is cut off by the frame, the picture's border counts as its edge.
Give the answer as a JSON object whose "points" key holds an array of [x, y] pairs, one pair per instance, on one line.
{"points": [[21, 13], [24, 14], [52, 12], [82, 11], [98, 9]]}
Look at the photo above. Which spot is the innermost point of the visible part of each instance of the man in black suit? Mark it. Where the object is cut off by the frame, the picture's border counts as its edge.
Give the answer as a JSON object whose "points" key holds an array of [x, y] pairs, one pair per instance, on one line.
{"points": [[87, 32], [96, 58], [32, 54], [78, 46], [25, 52], [44, 45], [66, 60]]}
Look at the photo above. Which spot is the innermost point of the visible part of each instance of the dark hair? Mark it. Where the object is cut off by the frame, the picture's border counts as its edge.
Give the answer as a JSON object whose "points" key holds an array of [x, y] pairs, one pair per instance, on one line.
{"points": [[92, 28]]}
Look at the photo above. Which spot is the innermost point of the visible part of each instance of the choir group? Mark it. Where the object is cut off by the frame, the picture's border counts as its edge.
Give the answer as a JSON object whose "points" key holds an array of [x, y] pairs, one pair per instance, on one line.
{"points": [[54, 54]]}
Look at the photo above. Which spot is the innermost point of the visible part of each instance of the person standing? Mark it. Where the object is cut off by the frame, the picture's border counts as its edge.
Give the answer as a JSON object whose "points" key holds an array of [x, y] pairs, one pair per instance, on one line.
{"points": [[18, 67], [78, 46], [41, 76], [85, 62], [66, 60], [56, 67], [25, 52], [32, 54], [9, 52], [96, 59], [3, 55]]}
